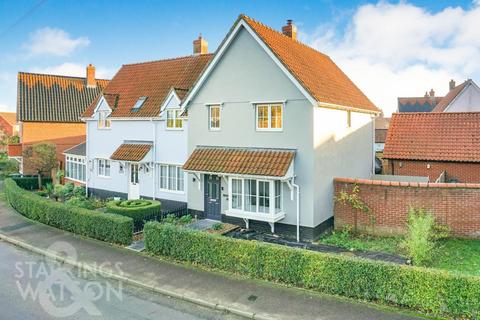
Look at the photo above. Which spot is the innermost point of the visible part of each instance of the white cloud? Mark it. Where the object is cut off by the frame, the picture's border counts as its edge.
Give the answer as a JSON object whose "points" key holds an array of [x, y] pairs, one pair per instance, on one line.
{"points": [[392, 50], [75, 70], [52, 41]]}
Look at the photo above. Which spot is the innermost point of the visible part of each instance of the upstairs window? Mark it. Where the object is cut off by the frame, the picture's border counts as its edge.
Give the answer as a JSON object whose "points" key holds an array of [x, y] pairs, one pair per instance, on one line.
{"points": [[269, 117], [214, 117], [139, 104], [174, 120], [103, 121]]}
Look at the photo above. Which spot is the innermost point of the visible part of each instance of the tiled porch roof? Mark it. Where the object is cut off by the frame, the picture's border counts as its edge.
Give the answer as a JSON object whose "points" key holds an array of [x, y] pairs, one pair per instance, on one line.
{"points": [[131, 152], [244, 161]]}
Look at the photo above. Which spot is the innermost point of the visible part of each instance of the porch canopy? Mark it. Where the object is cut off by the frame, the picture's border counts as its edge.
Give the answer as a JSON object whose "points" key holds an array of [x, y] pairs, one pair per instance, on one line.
{"points": [[133, 152], [253, 162]]}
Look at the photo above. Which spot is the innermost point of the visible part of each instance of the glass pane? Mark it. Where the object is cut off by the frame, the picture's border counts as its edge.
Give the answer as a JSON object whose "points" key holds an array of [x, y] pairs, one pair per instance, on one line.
{"points": [[276, 118], [262, 117], [172, 177], [163, 176], [178, 120], [180, 177], [236, 194], [278, 196], [263, 196], [251, 195], [107, 168], [170, 120]]}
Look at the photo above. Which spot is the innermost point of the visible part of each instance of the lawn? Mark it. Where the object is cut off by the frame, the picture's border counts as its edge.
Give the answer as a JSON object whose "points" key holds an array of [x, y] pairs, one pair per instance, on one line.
{"points": [[455, 255]]}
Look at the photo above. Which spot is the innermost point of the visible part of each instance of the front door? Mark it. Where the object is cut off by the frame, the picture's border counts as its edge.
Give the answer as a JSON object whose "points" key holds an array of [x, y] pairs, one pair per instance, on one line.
{"points": [[212, 197], [134, 185]]}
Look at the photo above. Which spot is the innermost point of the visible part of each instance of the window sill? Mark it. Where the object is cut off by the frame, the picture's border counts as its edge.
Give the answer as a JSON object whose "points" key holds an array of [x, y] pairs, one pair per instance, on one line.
{"points": [[75, 180], [255, 216], [174, 129], [104, 177], [171, 191], [269, 130]]}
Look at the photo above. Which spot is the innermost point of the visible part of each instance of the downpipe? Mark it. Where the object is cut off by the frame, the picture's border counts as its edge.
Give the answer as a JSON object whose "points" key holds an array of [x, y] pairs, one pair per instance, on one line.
{"points": [[296, 186]]}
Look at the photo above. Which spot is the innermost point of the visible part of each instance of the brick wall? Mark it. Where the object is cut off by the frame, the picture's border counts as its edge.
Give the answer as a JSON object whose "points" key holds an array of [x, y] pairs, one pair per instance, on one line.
{"points": [[454, 204], [468, 172]]}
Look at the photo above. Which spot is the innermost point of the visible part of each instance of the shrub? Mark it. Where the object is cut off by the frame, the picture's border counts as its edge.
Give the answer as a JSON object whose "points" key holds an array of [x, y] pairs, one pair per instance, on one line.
{"points": [[67, 190], [8, 166], [102, 226], [422, 232], [79, 191], [138, 210], [80, 202], [217, 226], [29, 182], [431, 291]]}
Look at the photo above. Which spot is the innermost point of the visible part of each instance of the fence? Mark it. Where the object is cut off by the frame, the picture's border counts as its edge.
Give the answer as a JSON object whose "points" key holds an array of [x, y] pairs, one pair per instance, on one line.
{"points": [[177, 211]]}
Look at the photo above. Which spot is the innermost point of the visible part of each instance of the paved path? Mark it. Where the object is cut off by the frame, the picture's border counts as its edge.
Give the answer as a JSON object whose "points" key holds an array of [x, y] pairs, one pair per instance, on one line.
{"points": [[240, 296], [126, 302]]}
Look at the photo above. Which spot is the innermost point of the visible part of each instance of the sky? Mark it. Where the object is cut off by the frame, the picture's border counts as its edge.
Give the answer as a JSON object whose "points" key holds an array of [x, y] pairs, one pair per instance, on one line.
{"points": [[388, 48]]}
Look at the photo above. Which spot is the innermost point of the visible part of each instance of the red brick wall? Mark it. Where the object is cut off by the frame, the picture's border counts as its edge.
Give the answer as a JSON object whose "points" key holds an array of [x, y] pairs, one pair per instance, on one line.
{"points": [[454, 204], [468, 172]]}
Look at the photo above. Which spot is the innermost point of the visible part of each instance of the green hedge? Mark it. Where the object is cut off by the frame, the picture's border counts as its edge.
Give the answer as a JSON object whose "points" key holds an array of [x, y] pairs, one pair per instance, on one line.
{"points": [[138, 210], [94, 224], [431, 291], [30, 182]]}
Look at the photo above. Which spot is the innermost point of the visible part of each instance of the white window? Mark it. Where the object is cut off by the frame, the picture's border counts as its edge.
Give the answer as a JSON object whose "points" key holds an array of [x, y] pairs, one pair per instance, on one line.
{"points": [[170, 177], [104, 167], [75, 168], [174, 120], [256, 196], [214, 117], [103, 121], [269, 117]]}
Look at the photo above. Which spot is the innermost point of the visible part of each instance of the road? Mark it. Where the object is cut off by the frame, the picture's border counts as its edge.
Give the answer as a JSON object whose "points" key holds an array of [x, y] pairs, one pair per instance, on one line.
{"points": [[76, 295]]}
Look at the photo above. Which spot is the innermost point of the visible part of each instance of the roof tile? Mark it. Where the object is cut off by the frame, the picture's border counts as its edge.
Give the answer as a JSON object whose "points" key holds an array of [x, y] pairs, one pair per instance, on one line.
{"points": [[131, 152]]}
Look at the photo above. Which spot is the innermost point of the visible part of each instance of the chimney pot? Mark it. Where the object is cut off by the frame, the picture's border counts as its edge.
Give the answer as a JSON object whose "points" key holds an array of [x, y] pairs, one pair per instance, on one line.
{"points": [[290, 30], [452, 84], [200, 45], [432, 93], [91, 82], [426, 94]]}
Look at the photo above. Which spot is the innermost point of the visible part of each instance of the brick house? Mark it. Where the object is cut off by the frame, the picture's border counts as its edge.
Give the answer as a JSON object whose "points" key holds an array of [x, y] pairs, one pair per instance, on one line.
{"points": [[8, 126], [445, 147], [49, 109]]}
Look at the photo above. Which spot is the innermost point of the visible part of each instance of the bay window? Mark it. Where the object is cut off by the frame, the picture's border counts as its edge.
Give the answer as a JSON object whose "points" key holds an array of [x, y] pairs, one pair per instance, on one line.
{"points": [[256, 196], [75, 168], [170, 177], [269, 117]]}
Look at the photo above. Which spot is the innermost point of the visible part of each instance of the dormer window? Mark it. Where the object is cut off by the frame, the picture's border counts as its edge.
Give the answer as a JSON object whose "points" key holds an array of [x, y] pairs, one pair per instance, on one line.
{"points": [[174, 119], [139, 104], [103, 121]]}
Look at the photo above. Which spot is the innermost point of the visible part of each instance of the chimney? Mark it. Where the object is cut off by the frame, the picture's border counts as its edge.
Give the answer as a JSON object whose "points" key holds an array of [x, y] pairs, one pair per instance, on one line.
{"points": [[200, 45], [426, 94], [452, 84], [432, 93], [91, 83], [290, 30]]}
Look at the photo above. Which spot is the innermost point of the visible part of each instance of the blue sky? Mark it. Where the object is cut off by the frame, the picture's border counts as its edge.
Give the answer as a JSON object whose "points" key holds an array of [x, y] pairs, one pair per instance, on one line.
{"points": [[389, 49]]}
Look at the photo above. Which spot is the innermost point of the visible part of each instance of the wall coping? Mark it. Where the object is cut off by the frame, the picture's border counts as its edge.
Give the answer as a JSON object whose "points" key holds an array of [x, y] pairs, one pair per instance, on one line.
{"points": [[408, 184]]}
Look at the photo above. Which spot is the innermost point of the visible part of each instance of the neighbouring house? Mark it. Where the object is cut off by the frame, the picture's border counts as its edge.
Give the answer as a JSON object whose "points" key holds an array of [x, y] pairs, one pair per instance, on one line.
{"points": [[8, 128], [49, 109], [419, 104], [271, 122], [462, 98], [443, 146], [381, 129], [136, 133], [76, 164]]}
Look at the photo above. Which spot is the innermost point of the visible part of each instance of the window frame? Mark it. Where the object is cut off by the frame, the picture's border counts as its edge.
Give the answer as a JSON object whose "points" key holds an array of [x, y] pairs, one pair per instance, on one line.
{"points": [[269, 106], [76, 168], [210, 107], [99, 167], [164, 179], [103, 122], [272, 196], [177, 116]]}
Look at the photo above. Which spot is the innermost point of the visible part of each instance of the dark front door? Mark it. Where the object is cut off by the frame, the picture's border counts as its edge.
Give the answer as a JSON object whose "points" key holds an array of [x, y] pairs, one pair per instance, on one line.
{"points": [[212, 196]]}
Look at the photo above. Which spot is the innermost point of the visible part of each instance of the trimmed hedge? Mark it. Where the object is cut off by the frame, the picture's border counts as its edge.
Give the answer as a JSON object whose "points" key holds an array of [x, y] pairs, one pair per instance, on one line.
{"points": [[30, 182], [434, 292], [139, 210], [102, 226]]}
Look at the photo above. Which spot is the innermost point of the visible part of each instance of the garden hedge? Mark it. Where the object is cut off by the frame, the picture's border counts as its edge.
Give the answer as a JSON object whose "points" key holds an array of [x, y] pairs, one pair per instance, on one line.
{"points": [[434, 292], [139, 210], [30, 182], [94, 224]]}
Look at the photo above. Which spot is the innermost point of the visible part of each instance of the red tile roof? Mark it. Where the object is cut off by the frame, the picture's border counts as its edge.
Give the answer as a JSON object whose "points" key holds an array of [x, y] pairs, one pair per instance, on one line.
{"points": [[452, 94], [445, 136], [245, 161], [131, 152], [317, 73], [153, 80], [10, 117]]}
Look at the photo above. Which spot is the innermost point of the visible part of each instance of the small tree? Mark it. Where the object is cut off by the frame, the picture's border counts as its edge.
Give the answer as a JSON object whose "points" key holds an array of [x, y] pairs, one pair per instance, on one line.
{"points": [[40, 157], [353, 199]]}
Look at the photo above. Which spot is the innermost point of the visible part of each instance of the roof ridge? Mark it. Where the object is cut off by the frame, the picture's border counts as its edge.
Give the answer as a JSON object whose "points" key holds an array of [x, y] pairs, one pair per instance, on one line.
{"points": [[57, 75], [169, 59], [435, 113]]}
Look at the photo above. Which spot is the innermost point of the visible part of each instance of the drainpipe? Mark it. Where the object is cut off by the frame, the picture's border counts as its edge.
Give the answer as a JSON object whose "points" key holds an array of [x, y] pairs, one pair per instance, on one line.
{"points": [[154, 157], [298, 207], [87, 163]]}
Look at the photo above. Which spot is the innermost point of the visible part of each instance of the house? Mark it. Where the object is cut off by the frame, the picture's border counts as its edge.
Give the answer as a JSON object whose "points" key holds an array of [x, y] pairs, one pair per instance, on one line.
{"points": [[419, 104], [271, 122], [381, 129], [8, 128], [49, 109], [462, 98], [443, 146], [136, 134], [76, 164]]}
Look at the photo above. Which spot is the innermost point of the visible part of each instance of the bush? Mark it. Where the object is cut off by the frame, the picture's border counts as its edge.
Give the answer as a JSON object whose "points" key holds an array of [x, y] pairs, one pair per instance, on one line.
{"points": [[138, 210], [80, 191], [102, 226], [8, 166], [80, 202], [422, 232], [431, 291], [29, 182]]}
